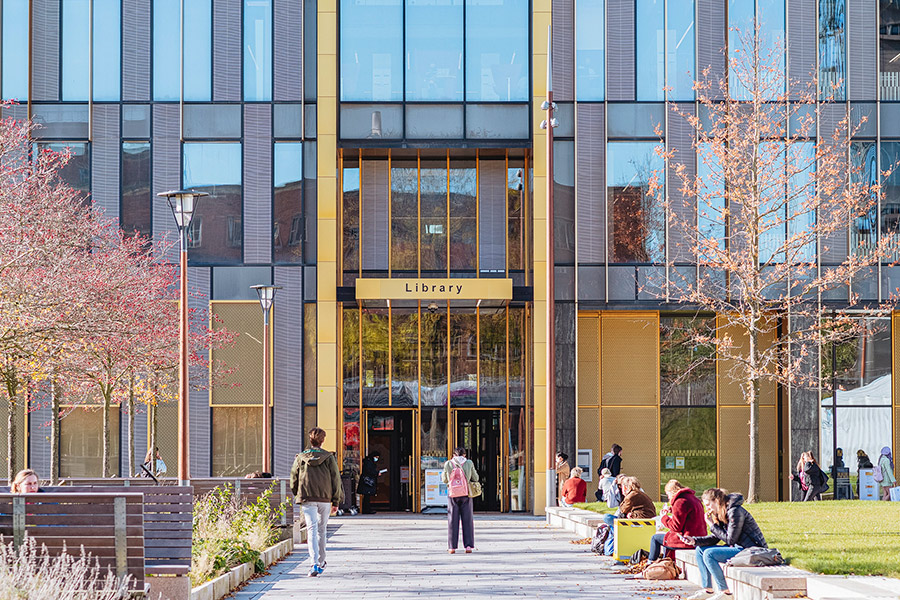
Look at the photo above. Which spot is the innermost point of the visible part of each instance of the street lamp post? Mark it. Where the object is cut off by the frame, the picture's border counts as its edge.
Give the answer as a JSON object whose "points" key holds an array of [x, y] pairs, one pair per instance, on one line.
{"points": [[183, 204], [266, 295]]}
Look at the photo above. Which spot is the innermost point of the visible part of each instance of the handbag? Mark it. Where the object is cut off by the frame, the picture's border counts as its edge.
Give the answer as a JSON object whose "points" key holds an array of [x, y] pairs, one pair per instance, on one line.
{"points": [[756, 557], [664, 568], [475, 489]]}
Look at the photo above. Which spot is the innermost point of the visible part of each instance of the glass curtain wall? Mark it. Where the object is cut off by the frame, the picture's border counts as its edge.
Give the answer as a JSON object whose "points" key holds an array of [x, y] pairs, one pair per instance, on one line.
{"points": [[257, 50], [590, 50], [637, 223], [217, 234], [14, 50], [889, 49], [743, 19], [289, 229], [832, 50], [197, 46], [136, 206]]}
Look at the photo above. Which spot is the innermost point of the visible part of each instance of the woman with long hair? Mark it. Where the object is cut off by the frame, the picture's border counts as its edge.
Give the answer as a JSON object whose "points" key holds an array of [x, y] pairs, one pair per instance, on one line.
{"points": [[26, 481], [812, 479]]}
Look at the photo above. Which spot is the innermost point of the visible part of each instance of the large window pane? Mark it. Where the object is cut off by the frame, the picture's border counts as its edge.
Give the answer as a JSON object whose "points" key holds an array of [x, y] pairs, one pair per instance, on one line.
{"points": [[515, 194], [687, 447], [433, 197], [404, 215], [832, 50], [136, 198], [237, 440], [216, 235], [107, 49], [517, 356], [890, 207], [463, 215], [76, 28], [710, 201], [77, 171], [637, 218], [687, 370], [166, 57], [375, 344], [590, 44], [289, 228], [81, 442], [197, 50], [463, 359], [680, 49], [350, 214], [650, 49], [257, 50], [434, 50], [773, 206], [371, 57], [496, 50], [802, 199], [350, 360], [889, 51], [492, 377], [742, 19], [14, 52], [404, 357], [434, 359], [864, 171]]}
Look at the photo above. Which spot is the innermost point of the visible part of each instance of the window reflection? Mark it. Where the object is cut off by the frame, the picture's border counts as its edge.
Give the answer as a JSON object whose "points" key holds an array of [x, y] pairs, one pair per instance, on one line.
{"points": [[76, 173], [404, 357], [434, 222], [76, 27], [687, 445], [832, 50], [890, 203], [289, 227], [889, 50], [434, 50], [371, 57], [680, 36], [14, 50], [517, 356], [590, 45], [350, 356], [496, 51], [637, 218], [650, 49], [515, 194], [463, 359], [687, 370], [404, 215], [492, 350], [257, 50], [136, 199], [236, 440], [215, 168], [463, 215], [742, 19], [81, 442], [375, 344], [434, 358], [197, 50], [864, 171], [350, 213]]}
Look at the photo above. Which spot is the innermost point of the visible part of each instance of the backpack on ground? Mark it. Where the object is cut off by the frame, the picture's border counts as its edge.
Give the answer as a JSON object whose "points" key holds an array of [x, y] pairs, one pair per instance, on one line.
{"points": [[757, 557], [639, 556], [664, 568], [599, 538], [459, 483]]}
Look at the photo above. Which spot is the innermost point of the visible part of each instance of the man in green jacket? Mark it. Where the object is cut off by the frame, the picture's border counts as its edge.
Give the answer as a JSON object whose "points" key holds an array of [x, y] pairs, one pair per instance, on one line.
{"points": [[316, 484]]}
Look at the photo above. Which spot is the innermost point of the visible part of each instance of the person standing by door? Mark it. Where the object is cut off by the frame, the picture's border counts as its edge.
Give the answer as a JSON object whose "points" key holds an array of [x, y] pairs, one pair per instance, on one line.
{"points": [[368, 481], [459, 474], [562, 472], [316, 484]]}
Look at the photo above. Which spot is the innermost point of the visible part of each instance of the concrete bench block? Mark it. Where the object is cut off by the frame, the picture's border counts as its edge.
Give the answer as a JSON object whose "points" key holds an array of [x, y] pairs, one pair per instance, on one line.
{"points": [[769, 579], [820, 587]]}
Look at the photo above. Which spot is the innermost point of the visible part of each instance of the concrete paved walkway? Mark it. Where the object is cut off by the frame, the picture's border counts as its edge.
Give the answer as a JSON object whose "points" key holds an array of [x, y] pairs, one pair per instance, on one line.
{"points": [[405, 556]]}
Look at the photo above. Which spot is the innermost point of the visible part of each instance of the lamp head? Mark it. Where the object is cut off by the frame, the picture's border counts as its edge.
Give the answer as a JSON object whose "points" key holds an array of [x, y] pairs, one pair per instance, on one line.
{"points": [[266, 295], [183, 204]]}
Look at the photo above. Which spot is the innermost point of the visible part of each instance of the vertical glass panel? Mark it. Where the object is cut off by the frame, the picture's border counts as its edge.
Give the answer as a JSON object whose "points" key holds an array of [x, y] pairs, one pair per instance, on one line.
{"points": [[710, 201], [81, 442], [687, 370], [217, 234], [463, 359], [375, 341], [515, 214], [463, 216], [889, 49], [404, 215], [289, 228], [434, 50], [433, 380], [350, 214], [863, 172], [14, 53], [637, 218], [742, 20], [77, 171], [590, 47], [257, 50], [518, 460], [136, 206], [496, 50], [832, 50], [434, 215], [166, 56], [351, 455], [650, 49], [350, 356], [433, 442], [890, 203], [773, 217], [309, 368], [517, 357], [802, 201], [687, 446], [371, 57], [771, 17], [492, 378], [107, 77], [76, 27], [197, 50], [680, 49], [404, 357], [237, 440], [741, 25]]}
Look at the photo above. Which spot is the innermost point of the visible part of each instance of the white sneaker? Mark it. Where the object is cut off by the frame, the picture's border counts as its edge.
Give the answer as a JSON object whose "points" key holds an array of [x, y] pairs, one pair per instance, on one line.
{"points": [[721, 596], [700, 595]]}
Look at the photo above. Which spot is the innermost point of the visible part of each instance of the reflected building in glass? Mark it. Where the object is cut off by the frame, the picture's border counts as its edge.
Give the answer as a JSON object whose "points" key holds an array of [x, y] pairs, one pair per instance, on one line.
{"points": [[381, 160]]}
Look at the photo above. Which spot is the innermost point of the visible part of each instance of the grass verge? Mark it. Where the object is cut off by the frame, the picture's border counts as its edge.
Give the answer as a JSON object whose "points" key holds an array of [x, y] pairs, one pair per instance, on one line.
{"points": [[845, 537]]}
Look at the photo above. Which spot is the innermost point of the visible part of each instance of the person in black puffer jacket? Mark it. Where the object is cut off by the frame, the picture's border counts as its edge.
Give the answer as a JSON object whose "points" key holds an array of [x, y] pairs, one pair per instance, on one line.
{"points": [[728, 522]]}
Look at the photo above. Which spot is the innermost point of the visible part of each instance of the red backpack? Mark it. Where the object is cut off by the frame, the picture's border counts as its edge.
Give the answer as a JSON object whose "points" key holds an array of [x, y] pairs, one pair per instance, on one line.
{"points": [[459, 483]]}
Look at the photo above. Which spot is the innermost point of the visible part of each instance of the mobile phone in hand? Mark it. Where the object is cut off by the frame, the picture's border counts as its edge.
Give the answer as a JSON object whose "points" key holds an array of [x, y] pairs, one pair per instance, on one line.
{"points": [[382, 472]]}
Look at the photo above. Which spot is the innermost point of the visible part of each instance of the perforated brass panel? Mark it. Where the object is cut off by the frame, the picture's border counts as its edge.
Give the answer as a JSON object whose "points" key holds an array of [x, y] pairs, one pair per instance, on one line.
{"points": [[589, 361], [19, 443], [636, 429], [245, 384], [734, 450], [589, 438], [630, 359], [729, 374], [895, 337]]}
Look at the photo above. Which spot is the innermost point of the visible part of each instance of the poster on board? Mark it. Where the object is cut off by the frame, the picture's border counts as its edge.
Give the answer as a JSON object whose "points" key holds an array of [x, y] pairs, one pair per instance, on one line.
{"points": [[435, 490], [868, 487]]}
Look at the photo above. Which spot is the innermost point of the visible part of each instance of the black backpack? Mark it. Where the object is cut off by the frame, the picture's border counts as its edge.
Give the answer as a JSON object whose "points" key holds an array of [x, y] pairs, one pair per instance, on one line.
{"points": [[599, 538]]}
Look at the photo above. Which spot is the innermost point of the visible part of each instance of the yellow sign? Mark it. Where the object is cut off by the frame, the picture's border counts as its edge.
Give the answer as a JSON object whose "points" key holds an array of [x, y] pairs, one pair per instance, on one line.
{"points": [[434, 289]]}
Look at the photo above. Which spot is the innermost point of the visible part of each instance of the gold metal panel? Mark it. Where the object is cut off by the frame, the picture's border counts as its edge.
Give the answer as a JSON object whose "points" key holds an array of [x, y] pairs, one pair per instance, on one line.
{"points": [[629, 360], [589, 438], [245, 385], [733, 450], [729, 373], [636, 429], [589, 360], [433, 289], [895, 354]]}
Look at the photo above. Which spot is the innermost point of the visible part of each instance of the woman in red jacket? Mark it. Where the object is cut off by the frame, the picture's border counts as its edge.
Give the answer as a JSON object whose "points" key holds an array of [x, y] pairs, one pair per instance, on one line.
{"points": [[683, 516], [575, 488]]}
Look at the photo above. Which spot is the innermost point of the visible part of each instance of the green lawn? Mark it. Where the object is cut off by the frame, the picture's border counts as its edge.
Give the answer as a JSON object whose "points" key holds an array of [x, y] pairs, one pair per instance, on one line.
{"points": [[847, 537]]}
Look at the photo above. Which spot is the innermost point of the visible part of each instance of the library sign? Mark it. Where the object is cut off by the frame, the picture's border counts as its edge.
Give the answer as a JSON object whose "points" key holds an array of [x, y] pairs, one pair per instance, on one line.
{"points": [[434, 289]]}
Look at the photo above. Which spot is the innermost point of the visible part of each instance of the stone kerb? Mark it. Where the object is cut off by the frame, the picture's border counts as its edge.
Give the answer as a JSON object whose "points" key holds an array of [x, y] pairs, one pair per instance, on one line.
{"points": [[224, 584], [579, 521]]}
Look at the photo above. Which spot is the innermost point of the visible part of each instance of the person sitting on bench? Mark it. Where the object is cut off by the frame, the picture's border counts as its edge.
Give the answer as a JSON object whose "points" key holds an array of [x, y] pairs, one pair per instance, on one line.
{"points": [[683, 515]]}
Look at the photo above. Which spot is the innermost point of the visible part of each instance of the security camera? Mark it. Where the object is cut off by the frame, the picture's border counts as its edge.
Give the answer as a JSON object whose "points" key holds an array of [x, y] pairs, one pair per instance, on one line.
{"points": [[433, 307]]}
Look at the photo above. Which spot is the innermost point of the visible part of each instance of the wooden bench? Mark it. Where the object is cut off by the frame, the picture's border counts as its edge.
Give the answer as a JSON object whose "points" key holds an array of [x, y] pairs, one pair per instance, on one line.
{"points": [[109, 526]]}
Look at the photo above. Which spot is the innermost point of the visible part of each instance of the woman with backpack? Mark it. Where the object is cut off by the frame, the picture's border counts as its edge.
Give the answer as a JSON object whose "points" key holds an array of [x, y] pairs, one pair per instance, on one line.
{"points": [[884, 473], [812, 479], [462, 485]]}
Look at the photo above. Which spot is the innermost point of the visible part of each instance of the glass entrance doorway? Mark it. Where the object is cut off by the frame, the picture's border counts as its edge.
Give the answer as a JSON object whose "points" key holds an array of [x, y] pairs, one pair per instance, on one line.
{"points": [[390, 432], [480, 433]]}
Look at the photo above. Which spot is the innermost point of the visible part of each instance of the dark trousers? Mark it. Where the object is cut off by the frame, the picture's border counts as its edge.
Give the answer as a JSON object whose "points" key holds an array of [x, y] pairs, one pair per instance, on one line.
{"points": [[813, 492], [367, 504], [460, 509]]}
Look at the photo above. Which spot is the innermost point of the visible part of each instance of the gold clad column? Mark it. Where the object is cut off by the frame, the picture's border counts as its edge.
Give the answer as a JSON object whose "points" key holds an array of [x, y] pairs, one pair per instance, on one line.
{"points": [[326, 273], [543, 478]]}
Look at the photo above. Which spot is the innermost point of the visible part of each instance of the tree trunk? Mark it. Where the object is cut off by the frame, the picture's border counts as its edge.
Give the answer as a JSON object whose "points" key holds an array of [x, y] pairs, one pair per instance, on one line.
{"points": [[130, 461], [54, 432], [11, 439], [106, 431], [152, 437], [751, 390]]}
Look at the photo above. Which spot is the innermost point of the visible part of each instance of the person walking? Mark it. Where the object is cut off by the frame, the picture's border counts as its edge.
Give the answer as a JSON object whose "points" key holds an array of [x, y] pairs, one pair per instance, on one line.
{"points": [[728, 522], [316, 484], [612, 460], [368, 481], [683, 515], [575, 489], [459, 474], [886, 466], [812, 479]]}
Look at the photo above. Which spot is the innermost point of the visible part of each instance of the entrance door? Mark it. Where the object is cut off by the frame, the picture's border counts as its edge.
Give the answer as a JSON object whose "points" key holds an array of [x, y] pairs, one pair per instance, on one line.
{"points": [[390, 432], [479, 432]]}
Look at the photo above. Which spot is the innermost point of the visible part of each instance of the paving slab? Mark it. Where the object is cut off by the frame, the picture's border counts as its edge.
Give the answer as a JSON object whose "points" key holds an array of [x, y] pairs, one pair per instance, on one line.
{"points": [[405, 556]]}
